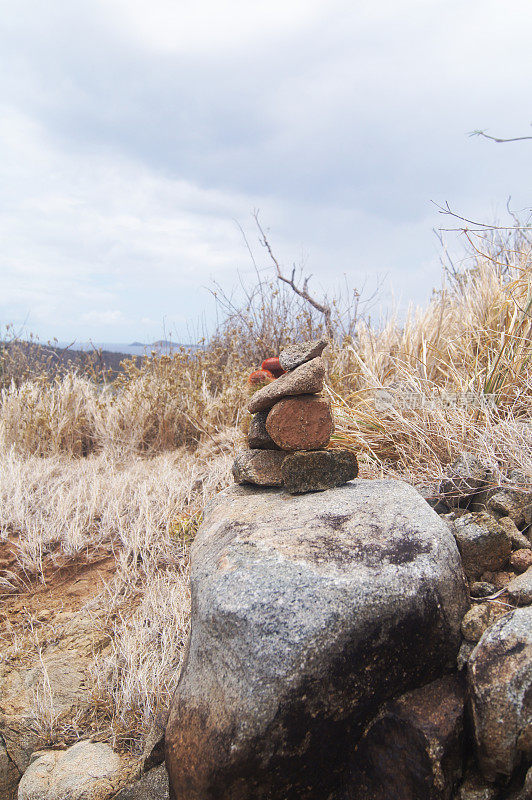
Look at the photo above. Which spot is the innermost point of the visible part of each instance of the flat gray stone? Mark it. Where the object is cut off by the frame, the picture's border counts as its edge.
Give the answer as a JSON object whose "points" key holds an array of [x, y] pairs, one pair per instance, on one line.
{"points": [[306, 379], [296, 354], [520, 588], [261, 467], [308, 613], [318, 470], [500, 680]]}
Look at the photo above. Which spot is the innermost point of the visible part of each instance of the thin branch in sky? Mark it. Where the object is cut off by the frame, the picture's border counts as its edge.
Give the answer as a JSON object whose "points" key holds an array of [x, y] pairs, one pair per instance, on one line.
{"points": [[497, 139]]}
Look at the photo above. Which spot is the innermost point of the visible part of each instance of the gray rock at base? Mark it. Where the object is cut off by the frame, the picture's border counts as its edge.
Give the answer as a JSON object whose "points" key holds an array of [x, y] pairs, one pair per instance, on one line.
{"points": [[306, 379], [466, 648], [258, 436], [524, 792], [484, 546], [519, 540], [500, 686], [9, 775], [476, 621], [520, 588], [511, 503], [520, 560], [466, 477], [482, 589], [308, 612], [413, 750], [261, 467], [152, 786], [475, 787], [297, 354], [85, 771], [318, 470]]}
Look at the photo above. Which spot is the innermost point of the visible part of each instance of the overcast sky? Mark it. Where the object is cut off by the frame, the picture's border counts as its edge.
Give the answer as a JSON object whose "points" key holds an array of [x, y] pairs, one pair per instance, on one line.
{"points": [[134, 133]]}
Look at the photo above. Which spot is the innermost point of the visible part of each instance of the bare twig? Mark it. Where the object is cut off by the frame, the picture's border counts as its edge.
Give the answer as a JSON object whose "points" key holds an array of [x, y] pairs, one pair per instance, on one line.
{"points": [[302, 291], [482, 226], [497, 139]]}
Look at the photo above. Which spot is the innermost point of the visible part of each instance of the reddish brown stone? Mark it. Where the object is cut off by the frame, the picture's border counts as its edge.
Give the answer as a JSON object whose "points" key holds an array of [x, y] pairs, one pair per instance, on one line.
{"points": [[301, 423], [521, 560]]}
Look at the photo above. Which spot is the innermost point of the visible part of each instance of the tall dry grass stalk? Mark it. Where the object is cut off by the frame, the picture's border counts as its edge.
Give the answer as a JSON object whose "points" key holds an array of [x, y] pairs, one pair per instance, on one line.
{"points": [[456, 376]]}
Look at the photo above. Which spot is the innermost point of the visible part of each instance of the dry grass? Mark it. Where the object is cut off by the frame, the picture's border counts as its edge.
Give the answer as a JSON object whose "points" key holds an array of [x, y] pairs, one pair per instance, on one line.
{"points": [[145, 511], [130, 465]]}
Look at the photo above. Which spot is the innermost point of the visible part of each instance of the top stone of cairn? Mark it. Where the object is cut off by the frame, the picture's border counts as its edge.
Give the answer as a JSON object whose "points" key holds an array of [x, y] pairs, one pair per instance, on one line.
{"points": [[296, 354]]}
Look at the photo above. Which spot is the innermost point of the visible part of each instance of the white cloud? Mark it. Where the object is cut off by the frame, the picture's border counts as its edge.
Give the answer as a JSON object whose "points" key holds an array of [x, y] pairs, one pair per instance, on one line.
{"points": [[133, 133], [100, 318]]}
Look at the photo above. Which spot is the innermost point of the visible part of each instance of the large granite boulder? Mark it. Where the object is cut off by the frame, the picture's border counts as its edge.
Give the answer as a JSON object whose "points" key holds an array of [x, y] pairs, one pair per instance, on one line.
{"points": [[500, 686], [308, 612]]}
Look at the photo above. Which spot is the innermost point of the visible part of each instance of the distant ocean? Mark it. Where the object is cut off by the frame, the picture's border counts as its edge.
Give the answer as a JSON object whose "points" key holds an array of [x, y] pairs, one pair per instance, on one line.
{"points": [[131, 349]]}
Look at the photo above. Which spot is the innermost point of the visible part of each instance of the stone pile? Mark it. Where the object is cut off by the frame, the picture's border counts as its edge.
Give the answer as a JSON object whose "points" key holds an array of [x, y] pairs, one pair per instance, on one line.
{"points": [[291, 426]]}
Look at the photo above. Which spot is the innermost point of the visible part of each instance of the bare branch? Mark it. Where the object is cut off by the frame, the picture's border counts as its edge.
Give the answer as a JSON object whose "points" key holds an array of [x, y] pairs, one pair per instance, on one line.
{"points": [[302, 291], [497, 139], [482, 226]]}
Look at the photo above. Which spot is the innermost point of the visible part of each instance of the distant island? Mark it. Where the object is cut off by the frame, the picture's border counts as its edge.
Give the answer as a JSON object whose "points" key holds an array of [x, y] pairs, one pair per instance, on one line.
{"points": [[160, 343]]}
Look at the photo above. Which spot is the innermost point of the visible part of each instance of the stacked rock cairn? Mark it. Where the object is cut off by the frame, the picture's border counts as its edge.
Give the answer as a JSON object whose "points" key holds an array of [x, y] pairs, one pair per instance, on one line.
{"points": [[292, 424]]}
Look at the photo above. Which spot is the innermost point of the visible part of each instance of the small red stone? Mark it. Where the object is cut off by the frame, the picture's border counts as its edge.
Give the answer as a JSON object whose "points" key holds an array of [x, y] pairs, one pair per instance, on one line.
{"points": [[273, 365], [260, 377]]}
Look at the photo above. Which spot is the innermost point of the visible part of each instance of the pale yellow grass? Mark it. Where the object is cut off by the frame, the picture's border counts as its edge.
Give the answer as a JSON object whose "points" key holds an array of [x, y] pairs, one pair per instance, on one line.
{"points": [[143, 510], [74, 472]]}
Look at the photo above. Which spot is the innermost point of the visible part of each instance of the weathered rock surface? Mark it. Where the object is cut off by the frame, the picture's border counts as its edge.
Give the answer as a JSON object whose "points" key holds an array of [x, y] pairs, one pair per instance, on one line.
{"points": [[301, 423], [475, 787], [500, 685], [308, 612], [59, 676], [483, 544], [9, 775], [476, 621], [519, 540], [152, 786], [258, 436], [315, 471], [521, 560], [297, 354], [525, 791], [511, 503], [86, 771], [481, 589], [261, 467], [306, 379], [466, 648], [466, 477], [413, 749], [520, 588]]}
